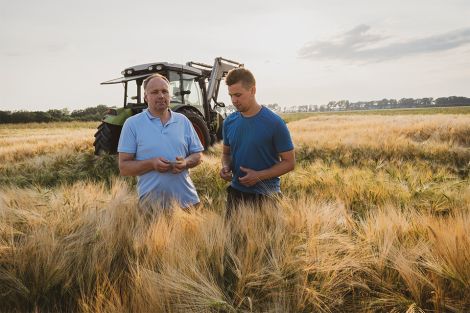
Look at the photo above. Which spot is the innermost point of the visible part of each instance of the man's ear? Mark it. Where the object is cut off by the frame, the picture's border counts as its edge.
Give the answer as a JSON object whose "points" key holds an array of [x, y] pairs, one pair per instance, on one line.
{"points": [[253, 90], [145, 98]]}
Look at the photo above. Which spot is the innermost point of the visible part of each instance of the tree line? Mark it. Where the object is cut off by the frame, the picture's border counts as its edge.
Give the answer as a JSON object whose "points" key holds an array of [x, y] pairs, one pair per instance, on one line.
{"points": [[54, 115], [345, 105], [97, 113]]}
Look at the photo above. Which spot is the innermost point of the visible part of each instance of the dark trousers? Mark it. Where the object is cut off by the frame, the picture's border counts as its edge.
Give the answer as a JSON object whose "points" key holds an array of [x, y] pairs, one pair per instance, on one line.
{"points": [[235, 198]]}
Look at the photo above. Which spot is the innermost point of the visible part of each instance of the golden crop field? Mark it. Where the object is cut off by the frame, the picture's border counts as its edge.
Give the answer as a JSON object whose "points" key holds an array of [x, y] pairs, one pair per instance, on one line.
{"points": [[375, 218]]}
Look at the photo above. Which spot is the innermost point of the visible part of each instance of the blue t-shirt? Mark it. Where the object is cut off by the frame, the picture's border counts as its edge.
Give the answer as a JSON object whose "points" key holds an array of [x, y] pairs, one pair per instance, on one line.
{"points": [[146, 137], [255, 142]]}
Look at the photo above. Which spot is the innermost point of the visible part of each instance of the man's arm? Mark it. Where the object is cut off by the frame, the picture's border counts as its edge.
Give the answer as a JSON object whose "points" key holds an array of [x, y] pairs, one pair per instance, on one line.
{"points": [[226, 171], [286, 165], [190, 161], [129, 166]]}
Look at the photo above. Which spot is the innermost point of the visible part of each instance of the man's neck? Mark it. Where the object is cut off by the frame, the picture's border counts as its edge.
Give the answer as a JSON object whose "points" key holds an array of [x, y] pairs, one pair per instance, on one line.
{"points": [[164, 115], [253, 110]]}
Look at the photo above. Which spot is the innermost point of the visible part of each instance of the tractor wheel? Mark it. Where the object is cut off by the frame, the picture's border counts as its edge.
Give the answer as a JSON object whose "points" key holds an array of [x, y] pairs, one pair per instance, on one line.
{"points": [[200, 127], [107, 139]]}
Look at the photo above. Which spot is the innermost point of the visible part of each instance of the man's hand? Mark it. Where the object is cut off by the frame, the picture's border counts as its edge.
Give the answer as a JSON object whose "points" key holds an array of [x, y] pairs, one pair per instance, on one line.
{"points": [[226, 173], [179, 166], [251, 177], [161, 164]]}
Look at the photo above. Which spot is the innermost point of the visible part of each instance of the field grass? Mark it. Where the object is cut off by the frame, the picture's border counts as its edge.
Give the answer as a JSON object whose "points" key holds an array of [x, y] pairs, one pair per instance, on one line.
{"points": [[54, 125], [290, 117], [375, 218]]}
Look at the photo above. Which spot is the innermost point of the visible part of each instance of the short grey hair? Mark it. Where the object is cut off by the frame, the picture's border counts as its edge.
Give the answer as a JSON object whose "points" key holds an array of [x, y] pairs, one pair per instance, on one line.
{"points": [[148, 79]]}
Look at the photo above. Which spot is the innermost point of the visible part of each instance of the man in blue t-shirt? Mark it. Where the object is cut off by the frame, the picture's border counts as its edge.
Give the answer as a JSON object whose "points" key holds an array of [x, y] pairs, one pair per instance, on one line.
{"points": [[159, 146], [257, 146]]}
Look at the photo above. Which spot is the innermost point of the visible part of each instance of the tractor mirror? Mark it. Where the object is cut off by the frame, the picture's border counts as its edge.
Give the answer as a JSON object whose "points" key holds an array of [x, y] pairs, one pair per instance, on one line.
{"points": [[181, 93]]}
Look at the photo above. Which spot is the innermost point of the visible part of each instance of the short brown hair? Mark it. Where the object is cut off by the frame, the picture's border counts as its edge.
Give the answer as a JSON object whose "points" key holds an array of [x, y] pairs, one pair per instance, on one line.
{"points": [[148, 79], [242, 75]]}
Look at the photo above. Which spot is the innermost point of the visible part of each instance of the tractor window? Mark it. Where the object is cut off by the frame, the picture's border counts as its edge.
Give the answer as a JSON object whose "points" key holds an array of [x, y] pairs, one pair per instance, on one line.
{"points": [[132, 92], [175, 88], [185, 90], [192, 92]]}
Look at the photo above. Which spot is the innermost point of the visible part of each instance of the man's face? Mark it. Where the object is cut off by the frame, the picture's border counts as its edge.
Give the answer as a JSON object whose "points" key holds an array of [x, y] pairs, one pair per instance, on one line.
{"points": [[241, 97], [157, 96]]}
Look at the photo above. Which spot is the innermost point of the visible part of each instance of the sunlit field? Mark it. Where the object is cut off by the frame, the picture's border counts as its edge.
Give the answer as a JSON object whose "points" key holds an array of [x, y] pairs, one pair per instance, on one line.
{"points": [[375, 218], [18, 142], [289, 117]]}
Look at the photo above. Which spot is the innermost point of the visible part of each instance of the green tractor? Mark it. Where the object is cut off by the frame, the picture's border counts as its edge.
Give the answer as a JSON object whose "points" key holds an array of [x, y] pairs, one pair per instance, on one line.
{"points": [[194, 88]]}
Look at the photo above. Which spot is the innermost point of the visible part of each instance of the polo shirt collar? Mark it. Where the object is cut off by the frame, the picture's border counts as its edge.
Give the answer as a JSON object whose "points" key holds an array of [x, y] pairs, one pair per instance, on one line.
{"points": [[151, 117]]}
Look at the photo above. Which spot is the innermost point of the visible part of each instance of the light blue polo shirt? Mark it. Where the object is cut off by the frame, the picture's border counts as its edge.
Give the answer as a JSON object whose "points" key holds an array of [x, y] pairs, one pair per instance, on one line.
{"points": [[144, 136]]}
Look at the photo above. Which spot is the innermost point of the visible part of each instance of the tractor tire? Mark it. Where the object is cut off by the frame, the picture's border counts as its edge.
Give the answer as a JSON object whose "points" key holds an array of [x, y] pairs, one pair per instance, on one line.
{"points": [[200, 127], [107, 139]]}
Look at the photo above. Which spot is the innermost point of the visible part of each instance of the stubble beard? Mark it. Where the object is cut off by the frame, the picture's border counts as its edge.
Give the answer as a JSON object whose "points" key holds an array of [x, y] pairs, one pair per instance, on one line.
{"points": [[160, 107], [240, 108]]}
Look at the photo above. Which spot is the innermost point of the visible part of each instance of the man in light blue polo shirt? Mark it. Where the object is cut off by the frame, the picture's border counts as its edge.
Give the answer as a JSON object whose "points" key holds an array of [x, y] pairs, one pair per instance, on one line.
{"points": [[159, 146]]}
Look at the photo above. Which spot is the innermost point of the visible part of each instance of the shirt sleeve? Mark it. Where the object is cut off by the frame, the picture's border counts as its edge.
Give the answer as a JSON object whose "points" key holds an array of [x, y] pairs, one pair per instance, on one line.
{"points": [[128, 139], [282, 138], [194, 144]]}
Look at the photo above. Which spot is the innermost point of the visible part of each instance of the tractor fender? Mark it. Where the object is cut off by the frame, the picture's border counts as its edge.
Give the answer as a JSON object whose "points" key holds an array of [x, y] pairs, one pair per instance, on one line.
{"points": [[117, 116], [198, 122], [183, 107]]}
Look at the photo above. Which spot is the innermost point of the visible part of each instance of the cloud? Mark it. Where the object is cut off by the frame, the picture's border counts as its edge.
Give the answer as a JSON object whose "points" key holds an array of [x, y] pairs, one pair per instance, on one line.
{"points": [[360, 44]]}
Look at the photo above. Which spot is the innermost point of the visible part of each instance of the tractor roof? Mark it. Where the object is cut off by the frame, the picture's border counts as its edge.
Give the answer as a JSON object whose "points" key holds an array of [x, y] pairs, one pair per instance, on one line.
{"points": [[144, 70]]}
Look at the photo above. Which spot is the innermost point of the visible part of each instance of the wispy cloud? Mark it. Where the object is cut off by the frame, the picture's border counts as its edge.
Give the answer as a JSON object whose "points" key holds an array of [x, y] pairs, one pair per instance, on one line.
{"points": [[360, 44]]}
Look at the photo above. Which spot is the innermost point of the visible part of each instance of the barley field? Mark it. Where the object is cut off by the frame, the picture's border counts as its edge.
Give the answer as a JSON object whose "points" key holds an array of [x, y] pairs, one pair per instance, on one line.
{"points": [[375, 218]]}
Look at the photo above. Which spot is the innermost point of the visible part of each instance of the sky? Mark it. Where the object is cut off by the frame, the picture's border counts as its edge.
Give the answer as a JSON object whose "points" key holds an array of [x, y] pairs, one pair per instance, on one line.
{"points": [[54, 54]]}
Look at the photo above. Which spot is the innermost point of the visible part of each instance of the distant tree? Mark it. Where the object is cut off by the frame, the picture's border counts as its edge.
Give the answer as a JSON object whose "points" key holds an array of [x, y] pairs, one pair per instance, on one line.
{"points": [[452, 101], [5, 116], [58, 115], [89, 114], [383, 104], [303, 108], [274, 107], [41, 117]]}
